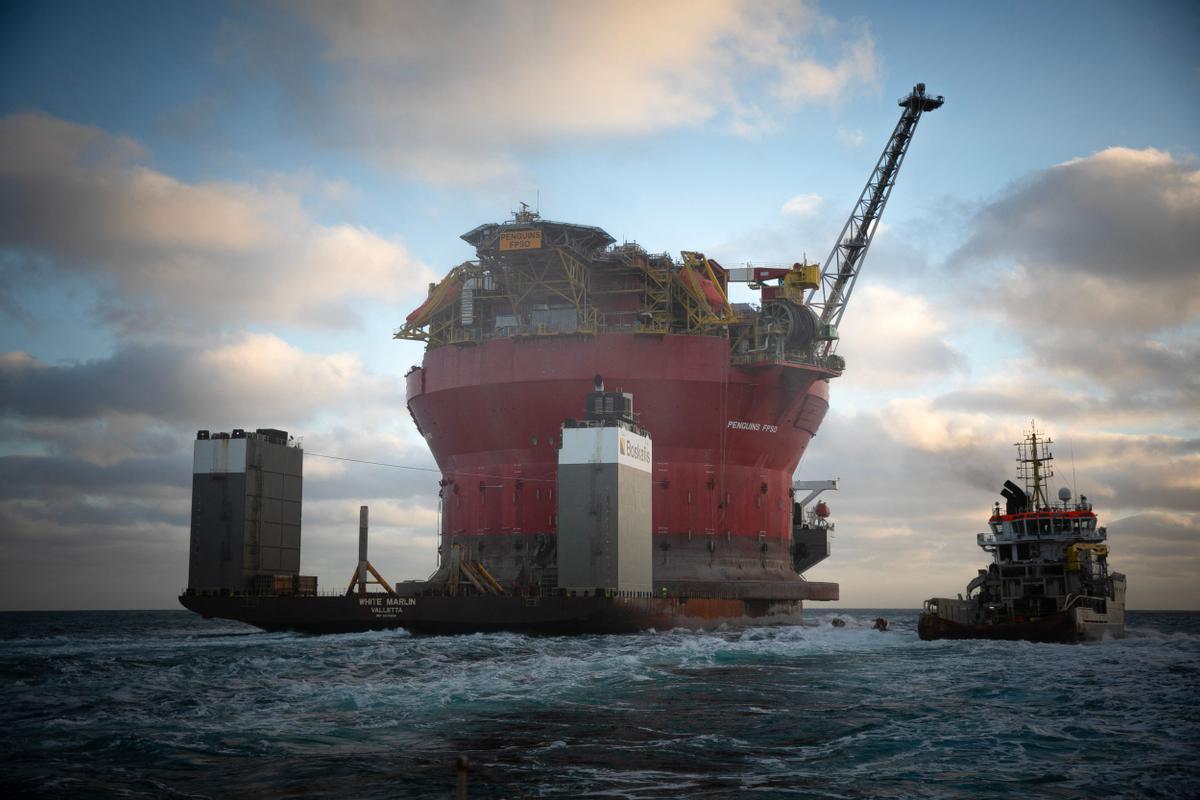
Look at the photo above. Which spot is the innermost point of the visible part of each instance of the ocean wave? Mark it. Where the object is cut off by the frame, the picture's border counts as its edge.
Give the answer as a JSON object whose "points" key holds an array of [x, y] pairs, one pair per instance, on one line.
{"points": [[163, 704]]}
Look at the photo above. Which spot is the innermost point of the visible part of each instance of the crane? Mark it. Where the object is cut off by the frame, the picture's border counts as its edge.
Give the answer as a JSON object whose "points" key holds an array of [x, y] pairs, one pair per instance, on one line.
{"points": [[841, 268], [803, 311]]}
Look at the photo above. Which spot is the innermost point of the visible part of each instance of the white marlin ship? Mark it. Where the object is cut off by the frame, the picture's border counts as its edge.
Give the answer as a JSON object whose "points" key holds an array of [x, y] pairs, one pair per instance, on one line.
{"points": [[1048, 580]]}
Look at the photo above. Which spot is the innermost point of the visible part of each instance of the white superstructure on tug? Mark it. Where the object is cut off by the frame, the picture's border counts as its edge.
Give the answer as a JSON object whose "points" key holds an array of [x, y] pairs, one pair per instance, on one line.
{"points": [[1049, 578]]}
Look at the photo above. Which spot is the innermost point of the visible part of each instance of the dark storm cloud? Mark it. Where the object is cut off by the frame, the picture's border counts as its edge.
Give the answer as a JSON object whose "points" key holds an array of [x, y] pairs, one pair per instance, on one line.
{"points": [[1103, 279], [109, 512], [94, 557], [1171, 534], [1138, 372], [116, 534], [65, 479], [239, 379], [1151, 485], [58, 476], [1164, 551], [136, 379], [1105, 248], [1131, 215]]}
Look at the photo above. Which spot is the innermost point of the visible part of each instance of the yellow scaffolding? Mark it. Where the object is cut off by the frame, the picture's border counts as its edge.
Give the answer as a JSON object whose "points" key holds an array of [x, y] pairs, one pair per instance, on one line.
{"points": [[672, 297]]}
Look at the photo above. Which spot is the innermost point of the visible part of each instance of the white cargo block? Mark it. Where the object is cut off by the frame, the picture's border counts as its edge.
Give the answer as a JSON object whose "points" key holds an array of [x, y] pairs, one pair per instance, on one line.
{"points": [[613, 445]]}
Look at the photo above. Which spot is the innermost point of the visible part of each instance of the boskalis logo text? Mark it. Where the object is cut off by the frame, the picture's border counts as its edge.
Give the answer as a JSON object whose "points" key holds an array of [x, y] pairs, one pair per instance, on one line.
{"points": [[636, 451]]}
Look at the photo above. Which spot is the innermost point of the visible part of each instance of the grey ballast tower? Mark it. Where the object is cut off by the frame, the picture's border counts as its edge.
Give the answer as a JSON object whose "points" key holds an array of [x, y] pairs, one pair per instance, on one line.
{"points": [[604, 498], [246, 494]]}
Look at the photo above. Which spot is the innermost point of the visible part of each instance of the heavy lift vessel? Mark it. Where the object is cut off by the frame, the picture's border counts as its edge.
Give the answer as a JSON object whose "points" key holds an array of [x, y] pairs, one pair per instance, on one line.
{"points": [[730, 393]]}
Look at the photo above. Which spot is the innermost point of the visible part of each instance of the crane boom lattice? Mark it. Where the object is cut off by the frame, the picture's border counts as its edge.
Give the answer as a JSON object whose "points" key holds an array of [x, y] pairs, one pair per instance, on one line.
{"points": [[841, 268]]}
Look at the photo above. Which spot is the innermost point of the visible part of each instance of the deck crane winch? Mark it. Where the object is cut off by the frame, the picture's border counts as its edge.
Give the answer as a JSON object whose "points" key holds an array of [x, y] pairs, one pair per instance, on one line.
{"points": [[810, 322]]}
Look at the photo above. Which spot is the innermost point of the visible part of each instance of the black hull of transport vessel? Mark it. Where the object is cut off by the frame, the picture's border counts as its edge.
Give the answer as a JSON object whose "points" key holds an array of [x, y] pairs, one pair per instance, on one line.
{"points": [[446, 614]]}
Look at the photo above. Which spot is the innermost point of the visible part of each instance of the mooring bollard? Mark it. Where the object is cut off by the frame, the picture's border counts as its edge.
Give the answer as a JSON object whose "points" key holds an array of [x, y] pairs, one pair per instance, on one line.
{"points": [[463, 765]]}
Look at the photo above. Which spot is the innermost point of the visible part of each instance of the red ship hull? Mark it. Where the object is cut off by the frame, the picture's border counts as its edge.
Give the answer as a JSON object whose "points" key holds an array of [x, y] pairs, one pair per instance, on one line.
{"points": [[1059, 627], [727, 440]]}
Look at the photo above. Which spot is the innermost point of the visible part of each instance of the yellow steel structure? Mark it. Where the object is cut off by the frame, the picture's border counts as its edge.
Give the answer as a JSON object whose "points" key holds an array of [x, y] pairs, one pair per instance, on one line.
{"points": [[522, 289], [700, 313], [802, 278], [1073, 551], [656, 299], [440, 295]]}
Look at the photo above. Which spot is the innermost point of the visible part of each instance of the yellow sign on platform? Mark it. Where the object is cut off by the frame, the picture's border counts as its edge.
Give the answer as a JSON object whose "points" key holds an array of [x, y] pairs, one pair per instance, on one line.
{"points": [[520, 240]]}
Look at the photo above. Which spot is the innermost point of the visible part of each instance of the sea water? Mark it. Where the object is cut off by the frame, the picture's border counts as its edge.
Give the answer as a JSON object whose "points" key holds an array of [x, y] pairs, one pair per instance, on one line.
{"points": [[165, 704]]}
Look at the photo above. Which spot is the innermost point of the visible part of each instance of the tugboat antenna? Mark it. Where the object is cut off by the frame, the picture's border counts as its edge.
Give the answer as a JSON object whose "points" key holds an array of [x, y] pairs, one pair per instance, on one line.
{"points": [[1034, 466]]}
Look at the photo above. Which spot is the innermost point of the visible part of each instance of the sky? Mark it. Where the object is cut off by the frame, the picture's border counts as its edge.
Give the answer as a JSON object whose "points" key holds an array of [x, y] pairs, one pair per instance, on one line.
{"points": [[214, 216]]}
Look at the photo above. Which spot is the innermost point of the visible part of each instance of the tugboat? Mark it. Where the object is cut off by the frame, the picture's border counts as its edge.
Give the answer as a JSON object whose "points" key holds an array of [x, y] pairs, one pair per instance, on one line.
{"points": [[1048, 580]]}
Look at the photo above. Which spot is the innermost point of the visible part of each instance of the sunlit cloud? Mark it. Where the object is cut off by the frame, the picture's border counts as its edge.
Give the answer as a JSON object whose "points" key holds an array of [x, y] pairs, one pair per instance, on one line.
{"points": [[616, 69], [165, 253], [803, 205]]}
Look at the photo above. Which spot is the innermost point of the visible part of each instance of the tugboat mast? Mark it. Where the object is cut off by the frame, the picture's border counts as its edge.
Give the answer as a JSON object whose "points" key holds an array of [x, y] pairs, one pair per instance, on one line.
{"points": [[1034, 466]]}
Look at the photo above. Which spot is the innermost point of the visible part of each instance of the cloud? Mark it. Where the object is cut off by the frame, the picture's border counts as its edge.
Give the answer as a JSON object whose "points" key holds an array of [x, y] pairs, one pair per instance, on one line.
{"points": [[122, 530], [850, 138], [457, 93], [67, 477], [1160, 552], [236, 379], [95, 465], [1127, 472], [895, 338], [918, 482], [947, 363], [96, 471], [1120, 213], [806, 79], [96, 460], [1093, 264], [803, 205], [1004, 400], [910, 493], [169, 254], [1121, 218]]}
